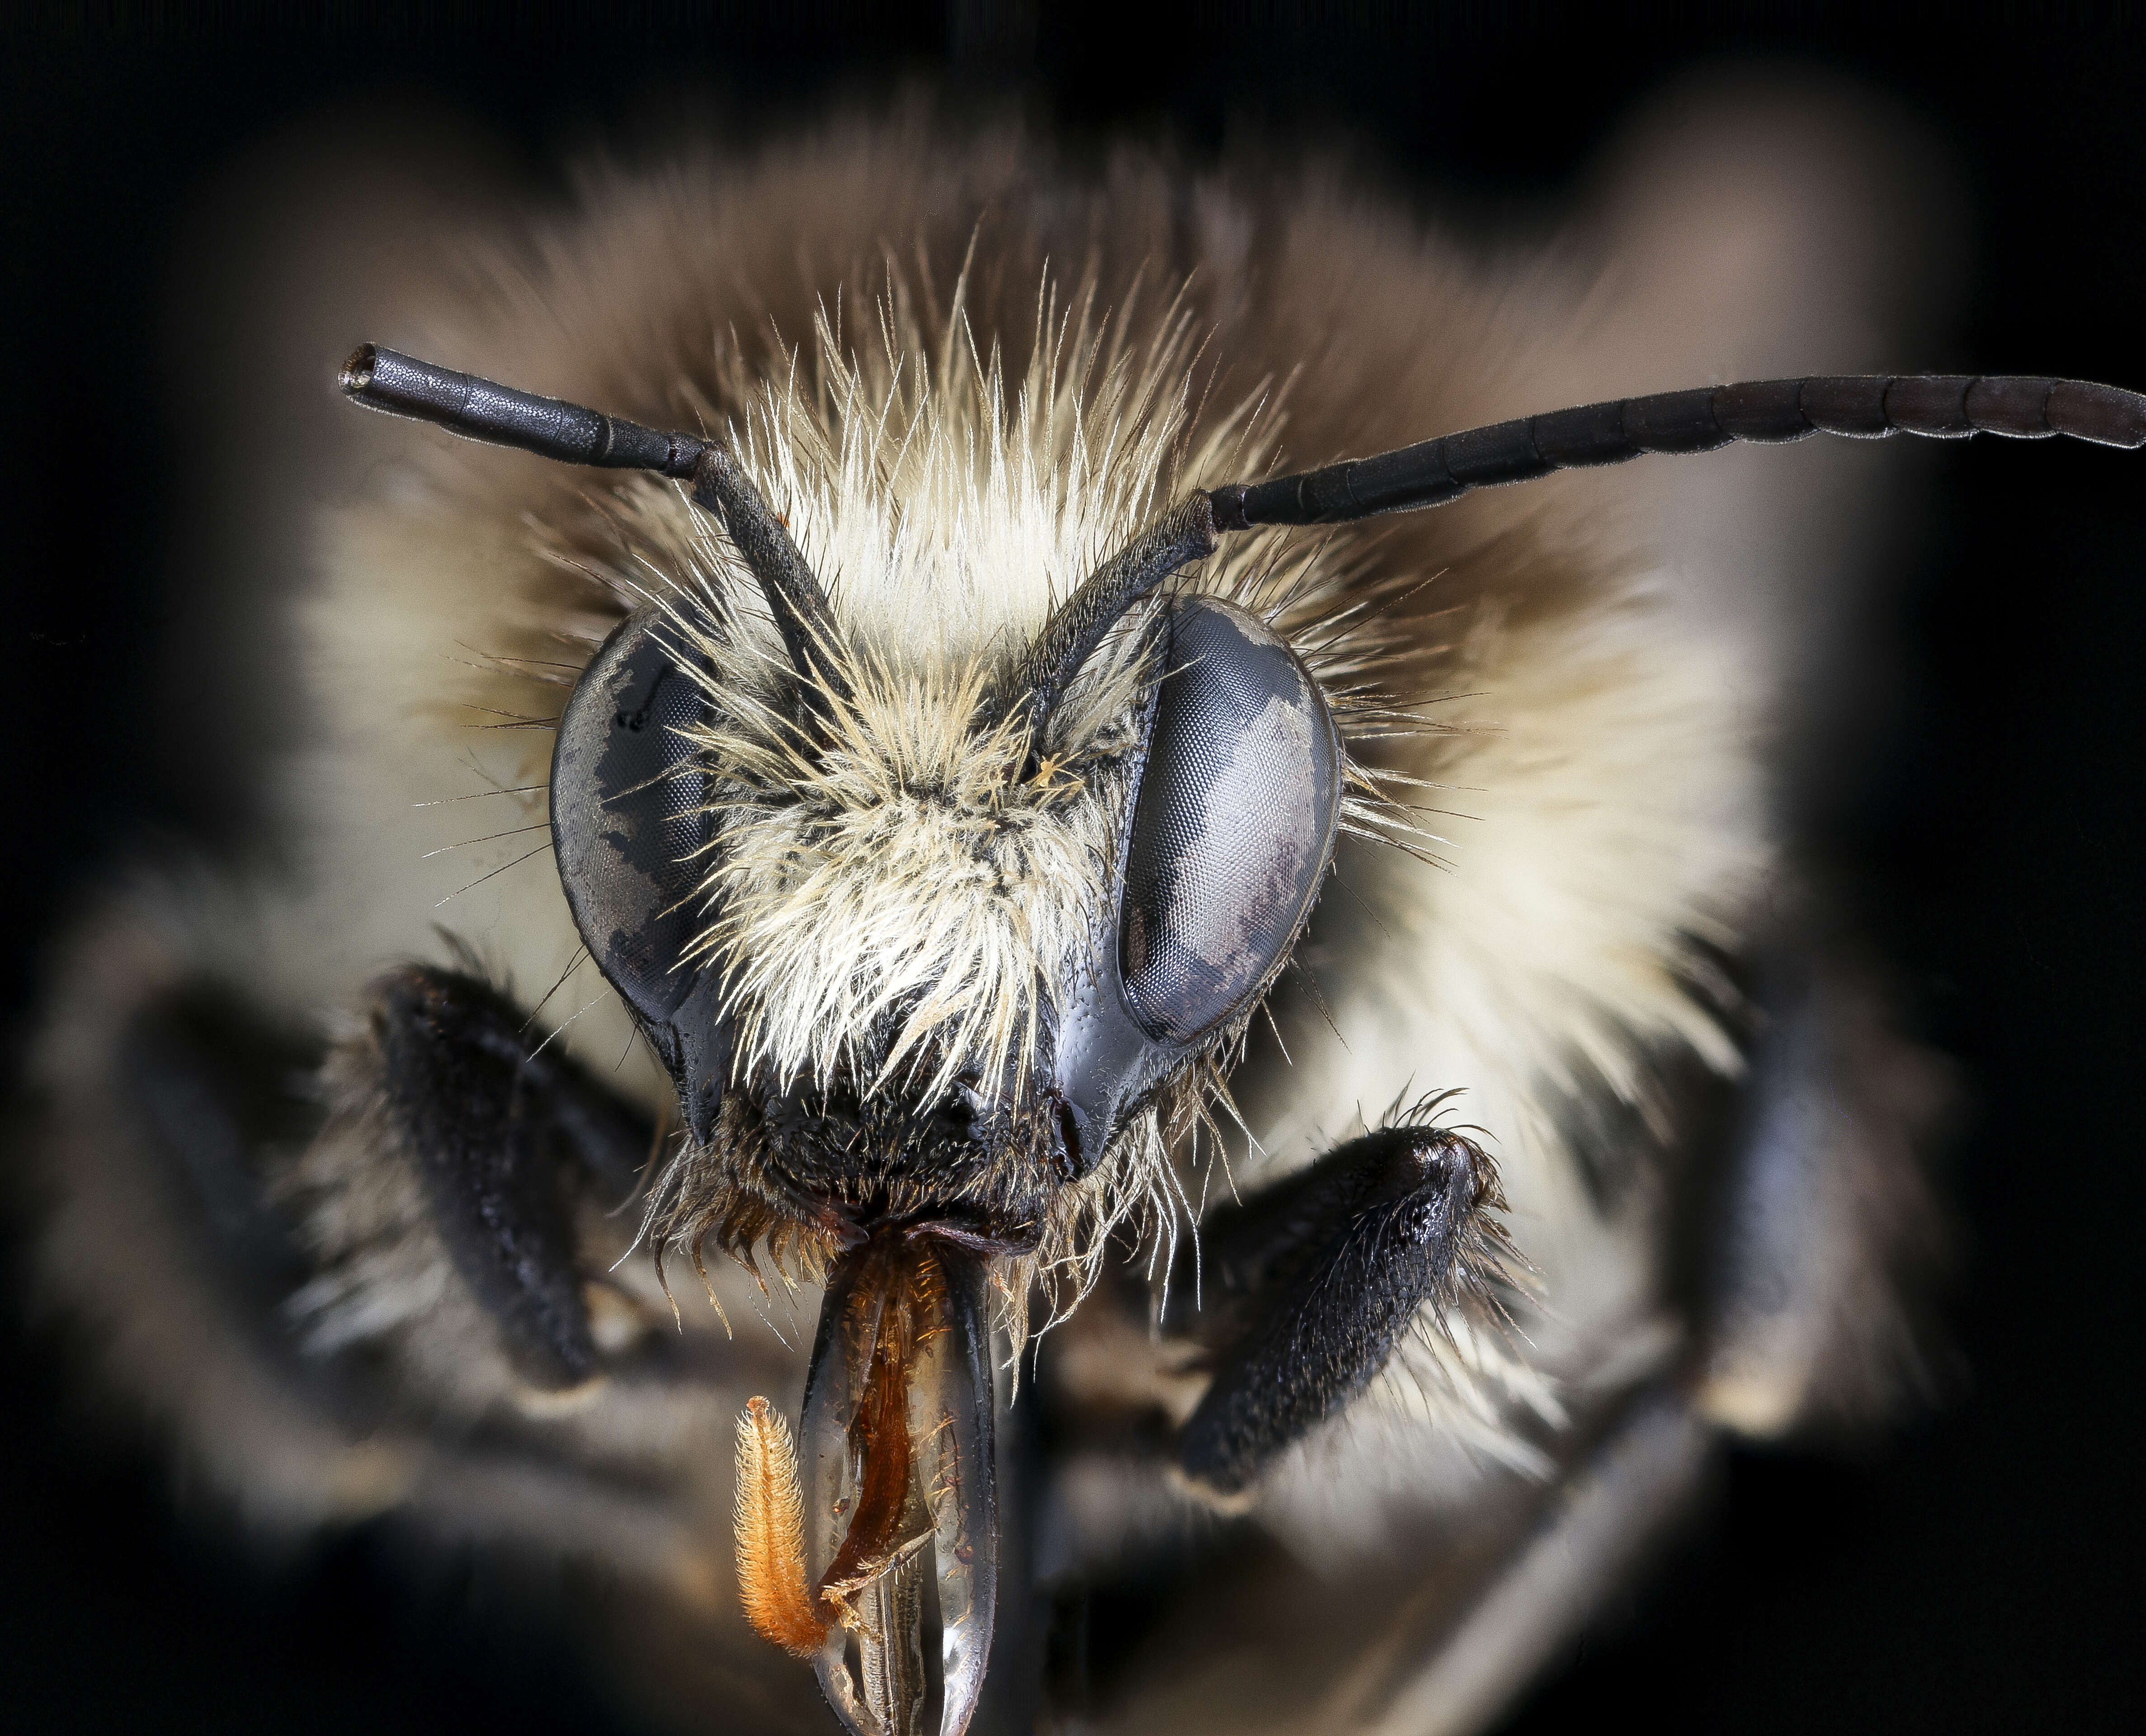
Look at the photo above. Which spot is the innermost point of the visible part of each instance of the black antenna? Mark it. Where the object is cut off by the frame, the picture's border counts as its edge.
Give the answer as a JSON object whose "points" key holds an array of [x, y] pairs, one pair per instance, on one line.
{"points": [[1943, 406], [1184, 534], [481, 409]]}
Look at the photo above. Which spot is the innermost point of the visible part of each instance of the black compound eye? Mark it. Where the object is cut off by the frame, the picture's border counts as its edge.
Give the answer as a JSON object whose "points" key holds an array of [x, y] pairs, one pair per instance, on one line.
{"points": [[626, 815], [1234, 825], [630, 827]]}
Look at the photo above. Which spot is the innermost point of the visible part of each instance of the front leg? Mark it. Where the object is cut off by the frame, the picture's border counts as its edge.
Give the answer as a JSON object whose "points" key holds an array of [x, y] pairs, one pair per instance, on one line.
{"points": [[499, 1133], [1311, 1283]]}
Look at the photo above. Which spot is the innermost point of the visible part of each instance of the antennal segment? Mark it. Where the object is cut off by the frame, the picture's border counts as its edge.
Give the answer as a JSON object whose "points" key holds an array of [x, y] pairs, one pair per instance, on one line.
{"points": [[1184, 534], [480, 409], [1943, 406]]}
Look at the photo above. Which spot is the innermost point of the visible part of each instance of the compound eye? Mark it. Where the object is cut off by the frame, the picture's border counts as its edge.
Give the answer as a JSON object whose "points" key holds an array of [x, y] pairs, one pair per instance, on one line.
{"points": [[627, 814], [1234, 825], [631, 828]]}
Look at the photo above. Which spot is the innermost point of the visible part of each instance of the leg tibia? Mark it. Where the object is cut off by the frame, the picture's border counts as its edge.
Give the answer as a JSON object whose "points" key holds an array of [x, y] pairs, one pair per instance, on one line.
{"points": [[1313, 1283], [494, 1132]]}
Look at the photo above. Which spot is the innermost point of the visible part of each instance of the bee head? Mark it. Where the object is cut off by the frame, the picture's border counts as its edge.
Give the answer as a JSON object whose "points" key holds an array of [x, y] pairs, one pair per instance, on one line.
{"points": [[926, 948], [921, 947]]}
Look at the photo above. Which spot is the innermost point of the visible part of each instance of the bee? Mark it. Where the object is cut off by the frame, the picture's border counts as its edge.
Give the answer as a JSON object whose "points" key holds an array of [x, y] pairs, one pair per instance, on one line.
{"points": [[1071, 998]]}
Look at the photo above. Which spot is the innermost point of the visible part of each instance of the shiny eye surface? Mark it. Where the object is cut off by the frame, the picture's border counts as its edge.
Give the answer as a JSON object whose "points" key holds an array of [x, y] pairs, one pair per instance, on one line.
{"points": [[1233, 823], [627, 815], [630, 827]]}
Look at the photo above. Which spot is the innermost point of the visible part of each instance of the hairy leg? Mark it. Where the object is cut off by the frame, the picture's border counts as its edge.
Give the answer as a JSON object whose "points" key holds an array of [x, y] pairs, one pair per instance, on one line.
{"points": [[212, 1087], [499, 1133], [1310, 1285]]}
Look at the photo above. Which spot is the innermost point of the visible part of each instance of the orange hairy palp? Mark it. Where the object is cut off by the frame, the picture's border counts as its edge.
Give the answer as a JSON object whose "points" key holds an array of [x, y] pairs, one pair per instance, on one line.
{"points": [[896, 1291], [770, 1515]]}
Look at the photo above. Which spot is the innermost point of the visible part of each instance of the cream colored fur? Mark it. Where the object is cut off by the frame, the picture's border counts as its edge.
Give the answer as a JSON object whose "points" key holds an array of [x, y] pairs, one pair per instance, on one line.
{"points": [[965, 372], [964, 398]]}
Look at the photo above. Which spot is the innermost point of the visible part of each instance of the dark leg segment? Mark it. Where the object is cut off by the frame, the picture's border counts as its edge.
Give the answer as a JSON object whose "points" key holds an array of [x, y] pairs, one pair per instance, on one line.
{"points": [[1310, 1285], [497, 1135], [215, 1087]]}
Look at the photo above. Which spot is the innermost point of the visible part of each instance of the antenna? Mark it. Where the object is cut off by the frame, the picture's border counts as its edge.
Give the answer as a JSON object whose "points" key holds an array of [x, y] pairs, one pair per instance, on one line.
{"points": [[480, 409]]}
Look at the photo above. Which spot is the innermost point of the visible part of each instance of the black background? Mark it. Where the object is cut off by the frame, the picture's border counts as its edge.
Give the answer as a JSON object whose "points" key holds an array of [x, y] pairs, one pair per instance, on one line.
{"points": [[1978, 1572]]}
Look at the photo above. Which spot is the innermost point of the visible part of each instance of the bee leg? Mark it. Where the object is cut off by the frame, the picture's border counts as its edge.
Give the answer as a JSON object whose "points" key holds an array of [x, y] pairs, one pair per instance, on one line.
{"points": [[1316, 1279], [1828, 1237], [499, 1135], [213, 1087]]}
